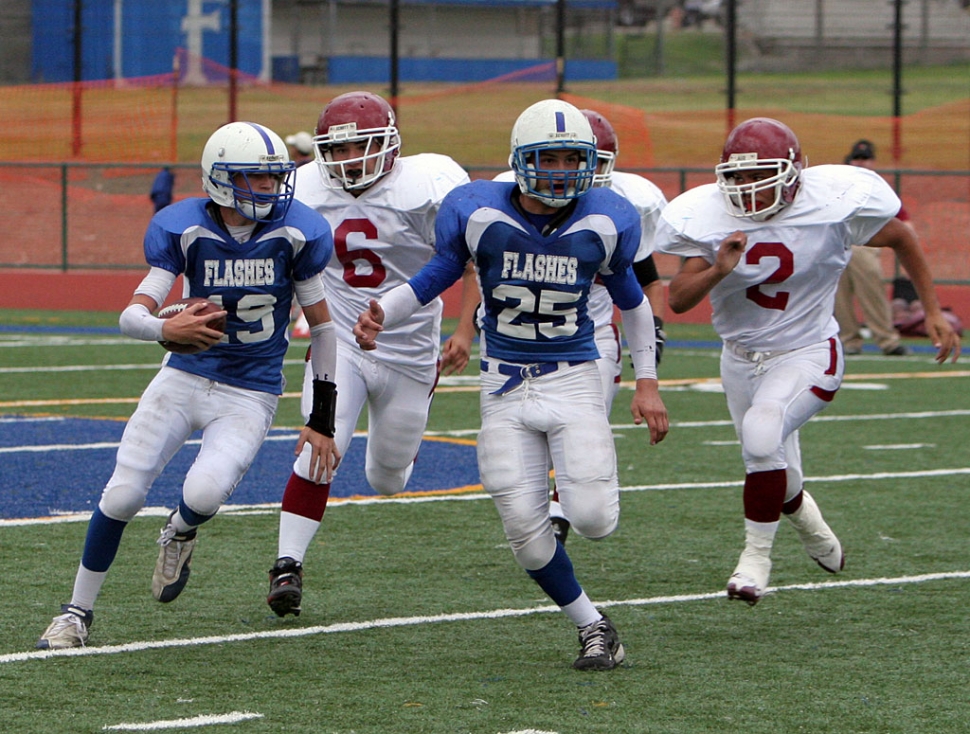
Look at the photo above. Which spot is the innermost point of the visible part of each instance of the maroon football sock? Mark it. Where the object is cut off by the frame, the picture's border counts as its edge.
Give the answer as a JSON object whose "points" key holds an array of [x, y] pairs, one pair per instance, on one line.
{"points": [[303, 497], [764, 495]]}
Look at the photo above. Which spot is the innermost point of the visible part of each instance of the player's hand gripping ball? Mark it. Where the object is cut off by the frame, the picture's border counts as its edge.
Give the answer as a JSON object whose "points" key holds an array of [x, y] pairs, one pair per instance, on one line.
{"points": [[219, 324]]}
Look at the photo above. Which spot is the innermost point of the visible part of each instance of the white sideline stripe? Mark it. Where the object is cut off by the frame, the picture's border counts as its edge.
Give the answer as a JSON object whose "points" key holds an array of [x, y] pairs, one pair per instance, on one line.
{"points": [[205, 720], [279, 433], [273, 507], [393, 622]]}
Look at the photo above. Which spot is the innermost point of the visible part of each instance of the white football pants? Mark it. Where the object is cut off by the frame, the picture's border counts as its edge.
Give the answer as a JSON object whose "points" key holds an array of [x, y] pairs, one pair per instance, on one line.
{"points": [[397, 414], [234, 422], [771, 395], [560, 416]]}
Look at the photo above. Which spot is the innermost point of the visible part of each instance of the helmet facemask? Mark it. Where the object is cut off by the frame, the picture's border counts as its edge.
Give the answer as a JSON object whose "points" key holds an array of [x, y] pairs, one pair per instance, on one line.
{"points": [[771, 149], [381, 146], [554, 187], [606, 161], [259, 206], [742, 199]]}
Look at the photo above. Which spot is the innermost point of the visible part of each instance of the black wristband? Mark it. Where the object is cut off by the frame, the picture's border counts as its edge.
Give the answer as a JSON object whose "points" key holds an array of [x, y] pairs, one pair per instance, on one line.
{"points": [[323, 414]]}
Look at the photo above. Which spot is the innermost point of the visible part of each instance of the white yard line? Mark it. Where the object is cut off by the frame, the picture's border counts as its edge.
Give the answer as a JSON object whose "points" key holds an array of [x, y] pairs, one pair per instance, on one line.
{"points": [[473, 492], [396, 622], [205, 720]]}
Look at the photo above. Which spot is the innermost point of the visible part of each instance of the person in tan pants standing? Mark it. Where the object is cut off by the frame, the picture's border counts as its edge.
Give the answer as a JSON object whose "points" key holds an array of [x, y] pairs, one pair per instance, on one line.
{"points": [[862, 281]]}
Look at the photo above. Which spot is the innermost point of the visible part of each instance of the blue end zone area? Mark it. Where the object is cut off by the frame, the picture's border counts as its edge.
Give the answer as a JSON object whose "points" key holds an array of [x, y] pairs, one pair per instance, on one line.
{"points": [[55, 465]]}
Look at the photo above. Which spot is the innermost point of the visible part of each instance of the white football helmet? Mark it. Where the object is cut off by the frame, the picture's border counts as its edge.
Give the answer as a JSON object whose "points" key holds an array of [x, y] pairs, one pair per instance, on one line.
{"points": [[232, 153], [357, 117], [552, 125], [766, 145]]}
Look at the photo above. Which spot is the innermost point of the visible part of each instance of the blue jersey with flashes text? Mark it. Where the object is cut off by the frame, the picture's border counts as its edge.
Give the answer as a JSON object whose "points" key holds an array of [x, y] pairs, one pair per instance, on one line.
{"points": [[536, 272], [252, 281]]}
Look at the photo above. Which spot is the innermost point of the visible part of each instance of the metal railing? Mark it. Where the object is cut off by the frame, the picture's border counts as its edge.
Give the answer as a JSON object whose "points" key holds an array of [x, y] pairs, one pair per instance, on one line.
{"points": [[92, 216]]}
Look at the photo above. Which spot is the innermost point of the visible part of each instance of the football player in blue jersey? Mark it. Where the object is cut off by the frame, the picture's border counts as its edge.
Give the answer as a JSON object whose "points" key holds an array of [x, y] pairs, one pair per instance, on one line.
{"points": [[248, 248], [538, 244]]}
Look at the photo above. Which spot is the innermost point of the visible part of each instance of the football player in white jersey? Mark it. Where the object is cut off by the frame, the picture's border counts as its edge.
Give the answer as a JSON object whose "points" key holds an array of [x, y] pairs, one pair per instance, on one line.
{"points": [[648, 200], [248, 248], [768, 242], [381, 207], [537, 245]]}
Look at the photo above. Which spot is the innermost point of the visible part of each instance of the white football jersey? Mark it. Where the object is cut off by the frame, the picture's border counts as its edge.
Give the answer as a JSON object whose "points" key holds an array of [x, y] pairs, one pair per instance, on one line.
{"points": [[649, 201], [381, 238], [781, 294]]}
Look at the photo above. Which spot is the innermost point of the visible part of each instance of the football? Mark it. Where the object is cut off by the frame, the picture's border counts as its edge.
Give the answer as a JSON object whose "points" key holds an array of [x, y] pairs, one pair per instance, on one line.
{"points": [[219, 324]]}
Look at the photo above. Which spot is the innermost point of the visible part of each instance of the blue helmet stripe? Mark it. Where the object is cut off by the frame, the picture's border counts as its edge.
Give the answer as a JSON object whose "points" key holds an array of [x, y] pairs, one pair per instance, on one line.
{"points": [[560, 122], [266, 138]]}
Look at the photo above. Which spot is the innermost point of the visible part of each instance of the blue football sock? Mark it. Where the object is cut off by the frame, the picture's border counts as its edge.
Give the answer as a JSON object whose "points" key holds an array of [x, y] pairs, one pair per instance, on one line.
{"points": [[102, 541], [557, 579]]}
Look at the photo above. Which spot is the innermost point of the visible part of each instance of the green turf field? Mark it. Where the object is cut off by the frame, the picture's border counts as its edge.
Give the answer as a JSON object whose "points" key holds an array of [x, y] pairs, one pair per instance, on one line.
{"points": [[418, 621]]}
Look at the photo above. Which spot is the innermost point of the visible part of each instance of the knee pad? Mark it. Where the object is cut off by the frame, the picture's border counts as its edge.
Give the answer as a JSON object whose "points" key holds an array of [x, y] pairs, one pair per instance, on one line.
{"points": [[535, 551], [204, 493], [122, 501], [597, 519], [761, 431], [388, 480]]}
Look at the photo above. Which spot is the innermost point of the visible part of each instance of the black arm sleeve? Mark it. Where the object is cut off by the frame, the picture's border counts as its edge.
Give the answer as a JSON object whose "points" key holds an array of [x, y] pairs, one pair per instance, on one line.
{"points": [[646, 271]]}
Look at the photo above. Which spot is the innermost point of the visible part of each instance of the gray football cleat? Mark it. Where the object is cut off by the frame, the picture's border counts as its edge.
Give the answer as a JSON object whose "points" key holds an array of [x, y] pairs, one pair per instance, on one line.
{"points": [[601, 647], [172, 567], [69, 629]]}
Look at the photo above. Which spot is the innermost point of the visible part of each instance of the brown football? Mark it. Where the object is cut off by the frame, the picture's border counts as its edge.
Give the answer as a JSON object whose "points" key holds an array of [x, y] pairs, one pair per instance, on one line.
{"points": [[219, 324]]}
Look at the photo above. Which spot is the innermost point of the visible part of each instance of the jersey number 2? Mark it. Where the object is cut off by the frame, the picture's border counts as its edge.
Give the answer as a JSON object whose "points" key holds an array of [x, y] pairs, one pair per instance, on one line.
{"points": [[786, 266]]}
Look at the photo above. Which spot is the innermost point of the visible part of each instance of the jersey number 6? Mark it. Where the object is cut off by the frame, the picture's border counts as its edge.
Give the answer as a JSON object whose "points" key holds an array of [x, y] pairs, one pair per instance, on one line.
{"points": [[350, 258]]}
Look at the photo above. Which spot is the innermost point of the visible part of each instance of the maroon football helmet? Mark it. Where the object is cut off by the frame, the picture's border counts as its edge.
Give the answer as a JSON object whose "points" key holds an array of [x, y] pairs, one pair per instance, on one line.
{"points": [[759, 144], [607, 147], [352, 118]]}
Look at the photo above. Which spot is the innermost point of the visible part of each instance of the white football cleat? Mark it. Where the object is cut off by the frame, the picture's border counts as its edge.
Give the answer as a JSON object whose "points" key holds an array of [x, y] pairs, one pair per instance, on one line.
{"points": [[820, 542], [750, 578]]}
